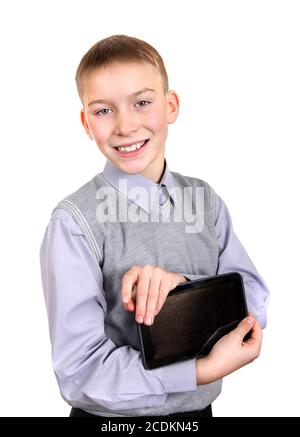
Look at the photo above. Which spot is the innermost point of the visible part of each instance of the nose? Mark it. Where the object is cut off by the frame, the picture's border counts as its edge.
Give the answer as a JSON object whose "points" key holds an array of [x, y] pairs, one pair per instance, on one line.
{"points": [[125, 124]]}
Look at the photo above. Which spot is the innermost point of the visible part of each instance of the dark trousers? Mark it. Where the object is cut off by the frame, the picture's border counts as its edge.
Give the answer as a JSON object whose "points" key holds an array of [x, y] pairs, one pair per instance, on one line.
{"points": [[206, 412]]}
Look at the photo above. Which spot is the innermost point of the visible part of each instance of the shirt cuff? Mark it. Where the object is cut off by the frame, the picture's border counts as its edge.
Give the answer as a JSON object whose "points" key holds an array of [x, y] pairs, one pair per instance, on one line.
{"points": [[180, 377]]}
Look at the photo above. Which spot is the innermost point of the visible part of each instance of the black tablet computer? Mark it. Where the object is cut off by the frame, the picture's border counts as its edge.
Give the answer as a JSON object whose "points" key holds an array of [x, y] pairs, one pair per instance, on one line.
{"points": [[194, 317]]}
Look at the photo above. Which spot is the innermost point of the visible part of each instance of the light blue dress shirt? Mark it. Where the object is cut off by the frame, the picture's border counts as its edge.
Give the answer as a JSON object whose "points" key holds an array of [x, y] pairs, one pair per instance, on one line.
{"points": [[69, 269]]}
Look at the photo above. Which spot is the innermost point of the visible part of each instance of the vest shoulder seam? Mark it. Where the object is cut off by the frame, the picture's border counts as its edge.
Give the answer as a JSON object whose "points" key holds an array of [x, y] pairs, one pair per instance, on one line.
{"points": [[81, 221]]}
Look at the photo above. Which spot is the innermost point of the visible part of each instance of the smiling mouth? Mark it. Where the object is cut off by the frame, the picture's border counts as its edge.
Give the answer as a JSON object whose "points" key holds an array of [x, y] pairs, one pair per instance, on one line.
{"points": [[133, 147]]}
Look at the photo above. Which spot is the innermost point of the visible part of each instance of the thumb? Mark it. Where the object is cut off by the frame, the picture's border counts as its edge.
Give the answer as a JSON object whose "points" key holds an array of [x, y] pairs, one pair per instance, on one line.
{"points": [[244, 326]]}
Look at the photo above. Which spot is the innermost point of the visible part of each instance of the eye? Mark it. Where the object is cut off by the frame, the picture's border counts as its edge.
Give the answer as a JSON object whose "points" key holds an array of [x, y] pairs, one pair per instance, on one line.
{"points": [[143, 103], [101, 111]]}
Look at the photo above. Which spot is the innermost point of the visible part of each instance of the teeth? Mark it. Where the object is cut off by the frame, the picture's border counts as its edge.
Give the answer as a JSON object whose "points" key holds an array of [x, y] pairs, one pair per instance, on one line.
{"points": [[135, 146]]}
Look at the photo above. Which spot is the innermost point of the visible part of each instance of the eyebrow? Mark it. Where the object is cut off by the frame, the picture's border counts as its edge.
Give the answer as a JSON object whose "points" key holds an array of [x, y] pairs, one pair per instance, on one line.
{"points": [[132, 95]]}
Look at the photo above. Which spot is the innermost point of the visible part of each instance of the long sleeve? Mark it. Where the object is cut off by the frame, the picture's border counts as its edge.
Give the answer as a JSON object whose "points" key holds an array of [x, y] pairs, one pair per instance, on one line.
{"points": [[233, 257], [89, 368]]}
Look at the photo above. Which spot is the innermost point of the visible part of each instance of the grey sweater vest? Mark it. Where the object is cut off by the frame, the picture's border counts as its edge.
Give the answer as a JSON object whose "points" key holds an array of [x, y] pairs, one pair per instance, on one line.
{"points": [[118, 245]]}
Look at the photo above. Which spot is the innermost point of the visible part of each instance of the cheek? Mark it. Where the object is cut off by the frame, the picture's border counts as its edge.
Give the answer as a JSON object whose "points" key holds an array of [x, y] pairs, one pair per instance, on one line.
{"points": [[99, 130], [157, 121]]}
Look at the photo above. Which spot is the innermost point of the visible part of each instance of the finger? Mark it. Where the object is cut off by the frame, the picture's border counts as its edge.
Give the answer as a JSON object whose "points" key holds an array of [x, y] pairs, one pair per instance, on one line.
{"points": [[256, 334], [142, 290], [128, 280], [131, 304], [164, 290], [244, 326], [152, 296]]}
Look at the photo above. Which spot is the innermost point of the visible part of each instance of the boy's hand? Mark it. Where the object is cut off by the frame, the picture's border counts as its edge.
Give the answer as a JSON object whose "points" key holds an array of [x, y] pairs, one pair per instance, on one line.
{"points": [[152, 286], [231, 352]]}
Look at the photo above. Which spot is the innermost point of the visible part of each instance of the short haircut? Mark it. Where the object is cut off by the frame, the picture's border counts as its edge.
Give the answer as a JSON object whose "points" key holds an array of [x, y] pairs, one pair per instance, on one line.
{"points": [[118, 48]]}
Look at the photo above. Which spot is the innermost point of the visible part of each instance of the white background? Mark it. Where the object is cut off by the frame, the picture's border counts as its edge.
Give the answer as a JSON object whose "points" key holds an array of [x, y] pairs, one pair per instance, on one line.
{"points": [[235, 65]]}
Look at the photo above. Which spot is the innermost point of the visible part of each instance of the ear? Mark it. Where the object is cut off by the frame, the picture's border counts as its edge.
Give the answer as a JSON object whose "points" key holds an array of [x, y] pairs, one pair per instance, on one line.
{"points": [[173, 106], [85, 123]]}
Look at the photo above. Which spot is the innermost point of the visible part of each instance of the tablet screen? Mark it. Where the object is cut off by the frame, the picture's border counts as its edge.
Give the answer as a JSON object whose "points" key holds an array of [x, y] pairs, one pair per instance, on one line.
{"points": [[194, 317]]}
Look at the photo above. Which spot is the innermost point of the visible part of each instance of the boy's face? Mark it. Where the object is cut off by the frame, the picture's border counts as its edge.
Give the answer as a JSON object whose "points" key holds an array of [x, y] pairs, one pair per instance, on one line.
{"points": [[133, 108]]}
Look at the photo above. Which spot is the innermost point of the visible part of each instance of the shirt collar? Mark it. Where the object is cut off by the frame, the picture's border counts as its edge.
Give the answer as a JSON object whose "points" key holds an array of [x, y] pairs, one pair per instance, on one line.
{"points": [[113, 175]]}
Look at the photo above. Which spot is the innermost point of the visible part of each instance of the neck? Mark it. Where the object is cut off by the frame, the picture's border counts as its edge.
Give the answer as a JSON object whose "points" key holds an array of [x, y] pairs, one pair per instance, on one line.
{"points": [[156, 174]]}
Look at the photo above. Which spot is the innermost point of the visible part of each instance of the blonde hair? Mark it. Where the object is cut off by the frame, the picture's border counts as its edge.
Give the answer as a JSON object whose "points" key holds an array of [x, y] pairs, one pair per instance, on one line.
{"points": [[119, 48]]}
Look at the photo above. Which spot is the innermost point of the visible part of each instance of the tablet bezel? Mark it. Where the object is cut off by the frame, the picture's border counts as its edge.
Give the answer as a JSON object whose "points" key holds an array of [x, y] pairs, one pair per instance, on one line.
{"points": [[144, 331]]}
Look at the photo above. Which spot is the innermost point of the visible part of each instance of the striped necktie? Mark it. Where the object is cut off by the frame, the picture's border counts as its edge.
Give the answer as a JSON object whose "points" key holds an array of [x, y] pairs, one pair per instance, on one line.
{"points": [[163, 204]]}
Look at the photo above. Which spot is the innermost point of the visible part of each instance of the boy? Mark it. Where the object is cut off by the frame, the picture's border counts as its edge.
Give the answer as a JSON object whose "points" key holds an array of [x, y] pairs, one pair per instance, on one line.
{"points": [[100, 245]]}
